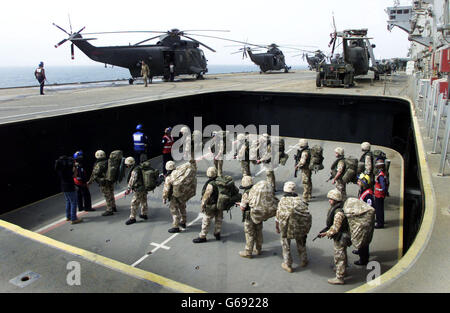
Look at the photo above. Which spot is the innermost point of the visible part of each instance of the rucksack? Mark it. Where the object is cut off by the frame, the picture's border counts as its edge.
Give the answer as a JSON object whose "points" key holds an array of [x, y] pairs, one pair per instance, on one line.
{"points": [[228, 193], [361, 220], [262, 201], [281, 149], [316, 161], [116, 167], [294, 218], [185, 182], [351, 167], [150, 176]]}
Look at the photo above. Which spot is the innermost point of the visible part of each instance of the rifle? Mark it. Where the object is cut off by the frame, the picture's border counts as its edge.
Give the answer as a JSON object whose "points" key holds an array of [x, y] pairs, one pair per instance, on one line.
{"points": [[297, 157], [331, 177], [323, 230]]}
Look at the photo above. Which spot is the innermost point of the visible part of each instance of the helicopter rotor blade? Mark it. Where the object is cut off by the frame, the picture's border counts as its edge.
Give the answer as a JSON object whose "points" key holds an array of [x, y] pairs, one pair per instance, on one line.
{"points": [[82, 39], [61, 28], [70, 24], [80, 30], [72, 52], [137, 44], [126, 31], [205, 30], [60, 43], [184, 35], [221, 38]]}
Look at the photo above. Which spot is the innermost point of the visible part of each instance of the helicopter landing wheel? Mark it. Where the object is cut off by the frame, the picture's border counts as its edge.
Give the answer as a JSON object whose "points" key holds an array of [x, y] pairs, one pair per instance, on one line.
{"points": [[200, 76], [131, 81], [286, 70], [318, 80]]}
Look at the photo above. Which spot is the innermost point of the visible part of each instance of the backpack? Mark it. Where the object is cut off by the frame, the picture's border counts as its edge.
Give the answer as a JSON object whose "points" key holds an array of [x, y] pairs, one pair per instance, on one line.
{"points": [[361, 220], [294, 218], [116, 167], [262, 201], [316, 161], [228, 193], [150, 176], [281, 148], [185, 182], [351, 167]]}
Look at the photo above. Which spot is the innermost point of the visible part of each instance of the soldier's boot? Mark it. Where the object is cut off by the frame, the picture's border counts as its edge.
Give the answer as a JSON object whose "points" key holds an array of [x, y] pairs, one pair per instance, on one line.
{"points": [[257, 251], [107, 213], [303, 263], [217, 235], [286, 267], [114, 209], [336, 281], [199, 240], [174, 230], [245, 254], [143, 216], [361, 262], [130, 221], [183, 225]]}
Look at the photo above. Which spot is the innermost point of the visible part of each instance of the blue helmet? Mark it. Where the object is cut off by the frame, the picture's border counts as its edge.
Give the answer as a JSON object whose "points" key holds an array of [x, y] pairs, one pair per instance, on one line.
{"points": [[78, 154], [139, 127], [41, 64]]}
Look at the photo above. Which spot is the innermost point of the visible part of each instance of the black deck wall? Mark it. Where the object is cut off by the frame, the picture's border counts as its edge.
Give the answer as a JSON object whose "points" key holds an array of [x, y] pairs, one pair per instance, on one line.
{"points": [[31, 147]]}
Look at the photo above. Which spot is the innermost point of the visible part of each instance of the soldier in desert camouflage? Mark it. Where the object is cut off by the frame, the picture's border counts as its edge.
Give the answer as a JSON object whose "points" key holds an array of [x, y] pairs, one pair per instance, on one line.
{"points": [[106, 187], [210, 196], [293, 221], [265, 148], [337, 171], [338, 230], [242, 154], [177, 207], [303, 164], [253, 232]]}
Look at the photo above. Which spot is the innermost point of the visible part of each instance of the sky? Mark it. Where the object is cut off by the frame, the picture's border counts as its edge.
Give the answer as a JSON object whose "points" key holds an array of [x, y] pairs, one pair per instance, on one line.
{"points": [[28, 36]]}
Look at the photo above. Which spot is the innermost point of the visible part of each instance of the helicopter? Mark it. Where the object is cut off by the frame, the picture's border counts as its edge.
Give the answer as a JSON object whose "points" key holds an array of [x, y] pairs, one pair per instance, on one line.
{"points": [[315, 60], [184, 55], [271, 60]]}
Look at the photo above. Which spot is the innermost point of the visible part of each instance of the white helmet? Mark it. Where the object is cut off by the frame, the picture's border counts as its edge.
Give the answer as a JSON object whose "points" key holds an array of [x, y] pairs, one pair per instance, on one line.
{"points": [[334, 195], [129, 161], [365, 146], [339, 151], [289, 186], [99, 154], [303, 143], [170, 165], [211, 172]]}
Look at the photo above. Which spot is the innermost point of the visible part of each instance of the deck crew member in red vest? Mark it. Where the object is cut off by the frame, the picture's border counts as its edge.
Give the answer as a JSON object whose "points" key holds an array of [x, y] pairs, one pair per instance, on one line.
{"points": [[167, 142], [380, 193]]}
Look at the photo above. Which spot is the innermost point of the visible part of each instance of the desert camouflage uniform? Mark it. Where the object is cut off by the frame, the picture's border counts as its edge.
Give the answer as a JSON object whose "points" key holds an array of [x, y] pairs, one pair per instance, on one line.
{"points": [[266, 161], [303, 164], [177, 207], [293, 228], [145, 72], [368, 165], [211, 212], [243, 157], [253, 232], [218, 155], [340, 249], [340, 185], [139, 194], [107, 188]]}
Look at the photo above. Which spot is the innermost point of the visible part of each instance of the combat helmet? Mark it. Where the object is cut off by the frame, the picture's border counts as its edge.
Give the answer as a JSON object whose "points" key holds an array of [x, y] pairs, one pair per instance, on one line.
{"points": [[339, 151], [303, 143], [365, 146], [170, 165], [247, 181], [211, 172], [334, 195], [99, 154], [289, 187], [130, 161]]}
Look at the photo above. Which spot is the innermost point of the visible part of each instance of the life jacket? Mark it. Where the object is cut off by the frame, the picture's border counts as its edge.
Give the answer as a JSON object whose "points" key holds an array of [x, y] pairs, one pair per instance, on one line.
{"points": [[379, 192], [139, 141], [168, 142], [367, 195]]}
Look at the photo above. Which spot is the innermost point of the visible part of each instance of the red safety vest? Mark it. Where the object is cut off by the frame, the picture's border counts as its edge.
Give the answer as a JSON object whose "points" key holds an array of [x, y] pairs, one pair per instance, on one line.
{"points": [[379, 192], [365, 193], [167, 148]]}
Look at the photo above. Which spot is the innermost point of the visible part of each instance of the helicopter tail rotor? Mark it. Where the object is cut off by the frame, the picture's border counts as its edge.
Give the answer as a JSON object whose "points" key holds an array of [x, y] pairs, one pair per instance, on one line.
{"points": [[73, 36]]}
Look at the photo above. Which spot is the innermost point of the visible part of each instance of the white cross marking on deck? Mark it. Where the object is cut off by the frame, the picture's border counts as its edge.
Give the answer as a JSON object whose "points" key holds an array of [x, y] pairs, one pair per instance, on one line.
{"points": [[162, 245]]}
